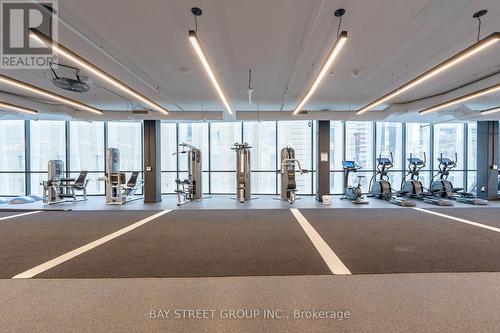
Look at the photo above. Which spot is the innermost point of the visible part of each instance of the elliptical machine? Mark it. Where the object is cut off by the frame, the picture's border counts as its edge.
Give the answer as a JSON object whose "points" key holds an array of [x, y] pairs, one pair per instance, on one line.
{"points": [[287, 171], [352, 193], [381, 188], [414, 189], [443, 188], [190, 189]]}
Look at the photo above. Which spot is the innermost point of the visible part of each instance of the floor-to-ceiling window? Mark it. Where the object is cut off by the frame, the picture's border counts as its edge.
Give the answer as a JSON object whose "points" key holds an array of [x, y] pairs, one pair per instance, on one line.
{"points": [[219, 160], [127, 137], [336, 157], [86, 152], [471, 156], [359, 148], [222, 158], [449, 142], [262, 137], [195, 134], [418, 144], [169, 157], [12, 157], [47, 142], [299, 136], [389, 144]]}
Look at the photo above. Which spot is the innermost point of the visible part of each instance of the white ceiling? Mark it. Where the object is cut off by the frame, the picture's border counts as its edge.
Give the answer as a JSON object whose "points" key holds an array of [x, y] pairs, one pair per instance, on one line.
{"points": [[283, 41]]}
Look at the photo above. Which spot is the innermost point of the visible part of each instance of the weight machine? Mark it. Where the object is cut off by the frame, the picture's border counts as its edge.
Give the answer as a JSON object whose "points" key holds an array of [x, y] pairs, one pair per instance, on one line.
{"points": [[243, 172], [58, 189], [289, 166], [118, 190], [190, 189]]}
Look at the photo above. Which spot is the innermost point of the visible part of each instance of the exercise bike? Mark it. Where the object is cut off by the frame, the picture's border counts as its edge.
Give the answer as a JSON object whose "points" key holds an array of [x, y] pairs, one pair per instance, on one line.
{"points": [[381, 188], [443, 188], [413, 188], [352, 193]]}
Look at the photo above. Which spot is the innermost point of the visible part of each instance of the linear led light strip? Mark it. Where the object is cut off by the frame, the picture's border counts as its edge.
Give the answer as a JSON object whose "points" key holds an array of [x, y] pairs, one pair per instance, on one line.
{"points": [[45, 93], [448, 63], [490, 111], [335, 50], [193, 38], [12, 107], [70, 55], [464, 98]]}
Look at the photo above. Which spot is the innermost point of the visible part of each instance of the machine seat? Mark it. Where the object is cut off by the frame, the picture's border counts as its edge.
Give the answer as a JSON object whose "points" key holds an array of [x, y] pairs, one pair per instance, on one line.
{"points": [[133, 183], [82, 181]]}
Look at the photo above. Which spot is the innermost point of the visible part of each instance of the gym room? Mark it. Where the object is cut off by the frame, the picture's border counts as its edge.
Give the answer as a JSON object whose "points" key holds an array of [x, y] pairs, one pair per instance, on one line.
{"points": [[249, 166]]}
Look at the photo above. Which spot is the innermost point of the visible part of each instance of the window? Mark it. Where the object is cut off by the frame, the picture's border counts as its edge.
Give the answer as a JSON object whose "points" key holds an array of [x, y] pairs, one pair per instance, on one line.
{"points": [[298, 135], [336, 157], [418, 144], [222, 158], [471, 156], [87, 152], [418, 138], [12, 157], [222, 139], [168, 157], [195, 134], [359, 143], [448, 141], [389, 141], [264, 162], [359, 148], [48, 142], [127, 137]]}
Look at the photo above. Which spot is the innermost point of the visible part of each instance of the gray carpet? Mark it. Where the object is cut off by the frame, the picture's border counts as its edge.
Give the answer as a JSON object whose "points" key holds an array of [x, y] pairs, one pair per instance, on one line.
{"points": [[485, 215], [378, 303], [203, 243], [405, 241], [31, 240]]}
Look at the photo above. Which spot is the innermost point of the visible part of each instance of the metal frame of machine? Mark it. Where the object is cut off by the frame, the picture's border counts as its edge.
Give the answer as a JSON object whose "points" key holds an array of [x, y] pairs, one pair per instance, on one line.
{"points": [[58, 189], [381, 188], [352, 193], [243, 172], [190, 189], [119, 191], [414, 189], [288, 169], [443, 188]]}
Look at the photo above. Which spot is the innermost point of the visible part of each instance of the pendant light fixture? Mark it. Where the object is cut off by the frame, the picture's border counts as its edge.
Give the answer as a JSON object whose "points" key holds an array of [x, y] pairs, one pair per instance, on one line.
{"points": [[332, 55], [195, 42], [83, 63]]}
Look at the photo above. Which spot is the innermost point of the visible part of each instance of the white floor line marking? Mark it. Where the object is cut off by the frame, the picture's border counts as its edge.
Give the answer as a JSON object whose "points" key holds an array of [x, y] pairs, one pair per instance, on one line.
{"points": [[334, 263], [480, 225], [19, 215], [67, 256]]}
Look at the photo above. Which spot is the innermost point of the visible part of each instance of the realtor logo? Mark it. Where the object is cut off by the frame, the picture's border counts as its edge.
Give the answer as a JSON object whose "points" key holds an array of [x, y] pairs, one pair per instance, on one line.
{"points": [[18, 49]]}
